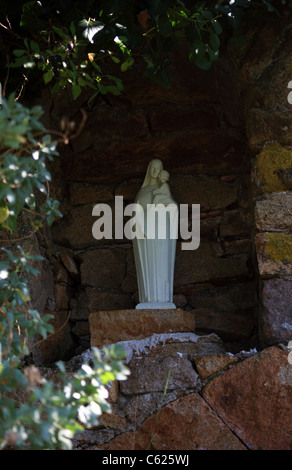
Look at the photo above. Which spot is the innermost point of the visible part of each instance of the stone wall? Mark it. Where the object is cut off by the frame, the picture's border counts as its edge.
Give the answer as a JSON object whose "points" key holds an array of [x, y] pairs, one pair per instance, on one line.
{"points": [[268, 124], [224, 135], [196, 129], [186, 392]]}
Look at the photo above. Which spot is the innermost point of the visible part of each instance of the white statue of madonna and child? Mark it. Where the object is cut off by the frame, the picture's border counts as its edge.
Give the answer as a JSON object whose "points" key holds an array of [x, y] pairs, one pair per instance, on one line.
{"points": [[155, 243]]}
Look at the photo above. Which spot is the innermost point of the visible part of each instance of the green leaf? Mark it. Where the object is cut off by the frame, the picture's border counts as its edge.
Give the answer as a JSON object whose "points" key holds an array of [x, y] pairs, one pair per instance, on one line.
{"points": [[92, 97], [45, 431], [214, 41], [117, 351], [10, 223], [25, 297], [19, 62], [48, 76], [118, 82], [115, 59], [19, 52], [127, 64], [76, 90], [60, 32], [72, 28], [216, 26], [206, 14], [34, 46], [212, 54], [25, 42], [197, 49]]}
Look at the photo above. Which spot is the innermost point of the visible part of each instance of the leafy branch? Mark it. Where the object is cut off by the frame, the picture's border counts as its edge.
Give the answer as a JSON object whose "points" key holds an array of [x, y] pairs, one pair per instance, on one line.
{"points": [[74, 46], [52, 413]]}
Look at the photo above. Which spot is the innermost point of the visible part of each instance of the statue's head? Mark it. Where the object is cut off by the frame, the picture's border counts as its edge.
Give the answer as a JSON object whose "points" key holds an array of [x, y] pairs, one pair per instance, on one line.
{"points": [[163, 176], [153, 171], [155, 168]]}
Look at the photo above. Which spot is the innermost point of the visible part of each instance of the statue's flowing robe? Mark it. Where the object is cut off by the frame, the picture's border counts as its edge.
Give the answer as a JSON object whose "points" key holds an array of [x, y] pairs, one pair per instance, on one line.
{"points": [[155, 257]]}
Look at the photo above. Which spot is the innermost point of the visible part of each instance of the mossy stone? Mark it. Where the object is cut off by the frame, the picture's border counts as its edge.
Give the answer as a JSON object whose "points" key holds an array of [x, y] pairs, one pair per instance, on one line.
{"points": [[272, 158]]}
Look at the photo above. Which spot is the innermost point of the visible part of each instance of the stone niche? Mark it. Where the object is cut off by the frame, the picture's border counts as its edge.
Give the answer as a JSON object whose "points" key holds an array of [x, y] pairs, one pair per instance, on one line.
{"points": [[199, 135], [213, 131]]}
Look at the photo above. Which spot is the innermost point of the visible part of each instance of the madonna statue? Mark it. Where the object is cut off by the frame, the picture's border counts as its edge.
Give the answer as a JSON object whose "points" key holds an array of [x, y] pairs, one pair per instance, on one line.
{"points": [[154, 251]]}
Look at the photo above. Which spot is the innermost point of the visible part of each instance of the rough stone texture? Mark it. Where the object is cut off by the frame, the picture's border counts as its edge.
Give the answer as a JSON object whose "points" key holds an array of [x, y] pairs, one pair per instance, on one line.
{"points": [[208, 365], [81, 328], [166, 118], [266, 72], [234, 223], [75, 230], [180, 300], [239, 402], [129, 283], [70, 265], [273, 212], [138, 408], [235, 247], [276, 312], [274, 254], [62, 294], [210, 192], [57, 346], [239, 298], [84, 193], [227, 310], [254, 399], [136, 324], [96, 170], [265, 168], [186, 424], [103, 268], [269, 133], [165, 344], [153, 374], [92, 299], [203, 265], [229, 326]]}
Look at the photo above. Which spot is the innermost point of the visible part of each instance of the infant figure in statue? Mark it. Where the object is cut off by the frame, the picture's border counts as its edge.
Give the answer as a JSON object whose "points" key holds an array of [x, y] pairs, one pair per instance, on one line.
{"points": [[162, 194]]}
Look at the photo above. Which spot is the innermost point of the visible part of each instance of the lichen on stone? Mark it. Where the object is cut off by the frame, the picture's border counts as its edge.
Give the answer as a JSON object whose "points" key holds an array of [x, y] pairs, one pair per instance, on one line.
{"points": [[279, 246], [272, 158]]}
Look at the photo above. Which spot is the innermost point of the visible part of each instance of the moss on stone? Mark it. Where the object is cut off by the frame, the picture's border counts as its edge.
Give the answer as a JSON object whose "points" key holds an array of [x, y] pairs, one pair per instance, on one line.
{"points": [[273, 157], [279, 246]]}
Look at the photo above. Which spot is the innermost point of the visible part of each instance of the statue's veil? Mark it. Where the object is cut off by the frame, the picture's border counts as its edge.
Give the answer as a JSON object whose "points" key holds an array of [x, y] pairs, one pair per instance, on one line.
{"points": [[148, 176]]}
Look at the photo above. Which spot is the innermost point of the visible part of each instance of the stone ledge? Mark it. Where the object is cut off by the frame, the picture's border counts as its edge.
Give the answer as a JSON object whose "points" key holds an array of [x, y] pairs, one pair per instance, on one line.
{"points": [[107, 327]]}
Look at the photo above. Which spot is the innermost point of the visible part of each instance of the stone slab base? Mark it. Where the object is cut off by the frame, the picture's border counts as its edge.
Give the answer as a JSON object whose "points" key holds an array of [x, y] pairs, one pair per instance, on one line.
{"points": [[156, 305], [108, 327]]}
